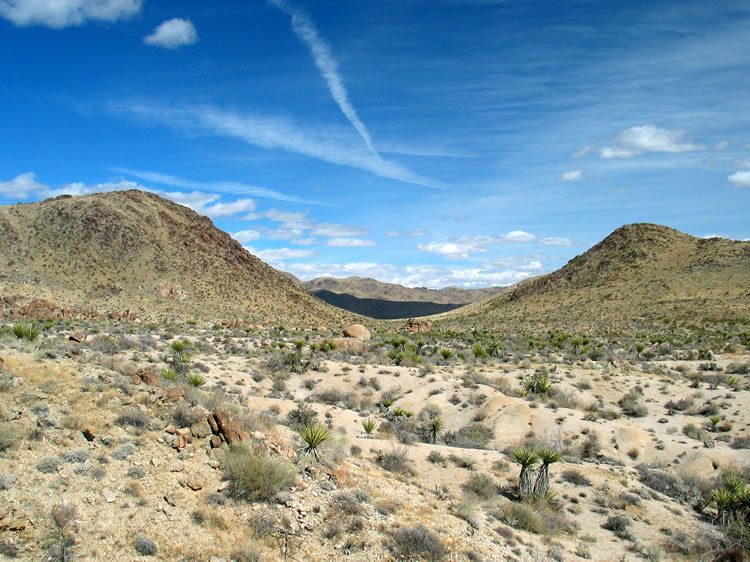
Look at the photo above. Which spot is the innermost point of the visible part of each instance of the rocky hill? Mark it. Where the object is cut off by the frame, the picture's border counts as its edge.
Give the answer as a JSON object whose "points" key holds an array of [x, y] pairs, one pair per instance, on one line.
{"points": [[142, 256], [639, 274], [388, 300]]}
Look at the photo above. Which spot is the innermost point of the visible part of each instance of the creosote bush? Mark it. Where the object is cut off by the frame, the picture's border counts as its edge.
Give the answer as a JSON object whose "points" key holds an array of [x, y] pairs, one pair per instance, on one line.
{"points": [[255, 477]]}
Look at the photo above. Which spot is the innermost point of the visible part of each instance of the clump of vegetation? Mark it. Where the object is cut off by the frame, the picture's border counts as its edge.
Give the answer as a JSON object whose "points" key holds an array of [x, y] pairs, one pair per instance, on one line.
{"points": [[482, 485], [368, 426], [255, 477], [632, 405], [416, 542], [8, 436], [539, 383], [145, 546], [396, 460], [26, 331], [314, 436]]}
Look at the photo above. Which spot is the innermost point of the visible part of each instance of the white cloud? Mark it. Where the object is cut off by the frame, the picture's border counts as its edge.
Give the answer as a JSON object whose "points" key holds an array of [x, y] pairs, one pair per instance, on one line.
{"points": [[172, 34], [394, 233], [332, 230], [452, 250], [328, 144], [305, 29], [21, 186], [583, 151], [556, 241], [721, 145], [435, 277], [279, 254], [64, 13], [417, 232], [740, 179], [462, 247], [707, 236], [518, 236], [208, 203], [572, 175], [244, 236], [647, 138], [349, 242]]}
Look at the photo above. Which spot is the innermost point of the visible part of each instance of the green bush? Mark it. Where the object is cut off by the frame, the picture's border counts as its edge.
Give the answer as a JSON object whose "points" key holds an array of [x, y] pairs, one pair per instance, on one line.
{"points": [[482, 485], [253, 476]]}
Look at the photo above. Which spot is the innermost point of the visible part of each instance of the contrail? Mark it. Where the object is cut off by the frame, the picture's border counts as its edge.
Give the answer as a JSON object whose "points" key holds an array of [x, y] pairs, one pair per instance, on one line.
{"points": [[305, 29]]}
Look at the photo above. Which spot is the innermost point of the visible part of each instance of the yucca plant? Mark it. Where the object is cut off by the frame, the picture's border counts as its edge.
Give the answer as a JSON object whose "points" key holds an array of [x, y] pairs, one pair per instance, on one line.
{"points": [[714, 421], [725, 503], [433, 429], [368, 426], [527, 458], [314, 436], [446, 353], [26, 331], [169, 373], [386, 401], [178, 346], [495, 348], [196, 379], [548, 456]]}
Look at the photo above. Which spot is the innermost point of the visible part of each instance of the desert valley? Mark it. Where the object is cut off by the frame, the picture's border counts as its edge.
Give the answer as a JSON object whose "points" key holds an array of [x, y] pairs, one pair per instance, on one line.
{"points": [[164, 394]]}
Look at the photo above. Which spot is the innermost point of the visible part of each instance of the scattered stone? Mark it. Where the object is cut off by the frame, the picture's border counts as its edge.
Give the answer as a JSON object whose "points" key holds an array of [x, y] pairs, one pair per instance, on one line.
{"points": [[108, 495], [174, 394], [200, 430], [230, 427]]}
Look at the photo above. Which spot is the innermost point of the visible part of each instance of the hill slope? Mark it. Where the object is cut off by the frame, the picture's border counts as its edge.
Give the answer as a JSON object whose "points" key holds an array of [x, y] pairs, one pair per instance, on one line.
{"points": [[387, 300], [367, 288], [639, 273], [132, 250]]}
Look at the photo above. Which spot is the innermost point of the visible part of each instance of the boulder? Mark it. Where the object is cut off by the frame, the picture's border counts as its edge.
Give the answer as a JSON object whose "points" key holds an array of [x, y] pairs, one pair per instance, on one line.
{"points": [[357, 331], [352, 346], [229, 427]]}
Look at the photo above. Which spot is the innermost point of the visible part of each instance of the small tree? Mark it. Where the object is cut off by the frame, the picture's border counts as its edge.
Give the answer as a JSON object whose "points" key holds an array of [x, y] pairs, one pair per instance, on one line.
{"points": [[433, 429], [548, 456], [527, 458]]}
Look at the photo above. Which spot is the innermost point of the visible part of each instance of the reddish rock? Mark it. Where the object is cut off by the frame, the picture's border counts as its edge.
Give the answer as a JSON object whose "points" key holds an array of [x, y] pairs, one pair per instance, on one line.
{"points": [[137, 379], [174, 394], [229, 427], [212, 424], [215, 441], [149, 377]]}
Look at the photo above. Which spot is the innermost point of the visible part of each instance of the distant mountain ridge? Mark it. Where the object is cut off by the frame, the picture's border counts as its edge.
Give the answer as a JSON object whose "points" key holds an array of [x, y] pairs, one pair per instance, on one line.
{"points": [[639, 273], [380, 300], [136, 251]]}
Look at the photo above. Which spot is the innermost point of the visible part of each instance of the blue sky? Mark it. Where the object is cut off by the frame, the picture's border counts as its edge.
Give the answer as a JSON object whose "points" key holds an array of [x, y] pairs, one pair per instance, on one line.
{"points": [[427, 143]]}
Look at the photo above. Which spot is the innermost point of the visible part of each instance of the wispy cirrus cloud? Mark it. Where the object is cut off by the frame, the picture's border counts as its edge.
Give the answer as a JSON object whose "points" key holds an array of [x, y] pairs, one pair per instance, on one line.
{"points": [[331, 145], [462, 247], [173, 34], [556, 241], [58, 14], [218, 186], [305, 30]]}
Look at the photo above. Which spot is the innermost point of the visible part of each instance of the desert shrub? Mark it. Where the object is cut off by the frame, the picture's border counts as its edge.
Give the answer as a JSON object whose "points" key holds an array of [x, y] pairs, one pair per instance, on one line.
{"points": [[49, 465], [196, 379], [575, 477], [631, 404], [536, 519], [123, 451], [741, 442], [6, 481], [301, 416], [134, 417], [693, 431], [590, 446], [618, 524], [397, 461], [349, 503], [332, 396], [136, 472], [668, 484], [738, 369], [145, 546], [8, 436], [76, 456], [472, 436], [413, 542], [185, 416], [253, 476], [435, 457], [681, 405], [482, 485]]}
